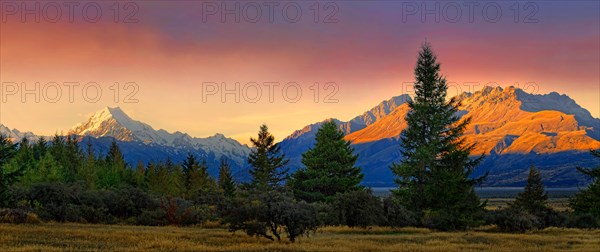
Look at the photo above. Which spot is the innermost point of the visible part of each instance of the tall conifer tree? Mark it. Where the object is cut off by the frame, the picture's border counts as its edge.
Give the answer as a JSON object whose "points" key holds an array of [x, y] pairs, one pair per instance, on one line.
{"points": [[433, 175]]}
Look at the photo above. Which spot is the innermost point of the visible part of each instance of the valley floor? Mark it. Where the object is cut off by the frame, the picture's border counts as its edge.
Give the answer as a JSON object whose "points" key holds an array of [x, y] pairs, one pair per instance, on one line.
{"points": [[58, 237]]}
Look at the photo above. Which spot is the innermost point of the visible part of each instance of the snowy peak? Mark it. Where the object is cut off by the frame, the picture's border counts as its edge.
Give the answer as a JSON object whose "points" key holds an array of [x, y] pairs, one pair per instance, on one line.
{"points": [[113, 122], [15, 135], [108, 113]]}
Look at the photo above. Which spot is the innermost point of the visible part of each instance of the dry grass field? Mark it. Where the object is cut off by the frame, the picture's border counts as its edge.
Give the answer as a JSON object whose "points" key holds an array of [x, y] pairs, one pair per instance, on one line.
{"points": [[82, 237]]}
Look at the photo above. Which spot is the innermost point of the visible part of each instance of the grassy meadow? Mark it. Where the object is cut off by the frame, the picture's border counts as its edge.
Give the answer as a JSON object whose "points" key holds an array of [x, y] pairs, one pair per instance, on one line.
{"points": [[85, 237]]}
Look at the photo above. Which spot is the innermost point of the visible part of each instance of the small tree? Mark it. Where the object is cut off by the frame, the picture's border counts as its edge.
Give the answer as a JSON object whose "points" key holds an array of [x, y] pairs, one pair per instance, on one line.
{"points": [[529, 210], [329, 167], [268, 169], [533, 198], [191, 173], [226, 182]]}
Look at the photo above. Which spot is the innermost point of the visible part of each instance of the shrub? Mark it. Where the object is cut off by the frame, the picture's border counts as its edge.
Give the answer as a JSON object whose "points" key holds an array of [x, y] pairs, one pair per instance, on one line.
{"points": [[358, 209], [397, 215], [584, 220], [154, 217], [53, 201], [266, 214], [517, 220], [18, 216]]}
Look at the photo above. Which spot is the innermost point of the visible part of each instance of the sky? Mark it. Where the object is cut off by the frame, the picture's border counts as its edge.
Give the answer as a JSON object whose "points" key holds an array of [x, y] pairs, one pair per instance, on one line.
{"points": [[175, 65]]}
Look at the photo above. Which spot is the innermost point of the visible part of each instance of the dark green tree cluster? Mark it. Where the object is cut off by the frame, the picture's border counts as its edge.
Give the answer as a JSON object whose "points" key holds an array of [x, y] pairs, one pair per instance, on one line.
{"points": [[61, 181], [325, 192], [434, 174], [586, 204]]}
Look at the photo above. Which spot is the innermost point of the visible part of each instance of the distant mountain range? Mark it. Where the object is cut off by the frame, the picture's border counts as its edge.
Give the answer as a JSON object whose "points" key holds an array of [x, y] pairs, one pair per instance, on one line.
{"points": [[512, 128]]}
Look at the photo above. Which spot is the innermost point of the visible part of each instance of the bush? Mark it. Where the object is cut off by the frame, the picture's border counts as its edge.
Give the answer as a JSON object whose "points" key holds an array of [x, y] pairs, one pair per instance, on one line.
{"points": [[266, 214], [54, 201], [18, 216], [298, 218], [397, 215], [585, 220], [517, 220], [358, 209], [154, 217]]}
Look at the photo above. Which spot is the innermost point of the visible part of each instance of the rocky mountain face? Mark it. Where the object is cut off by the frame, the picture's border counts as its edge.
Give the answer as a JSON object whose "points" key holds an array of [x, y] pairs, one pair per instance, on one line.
{"points": [[302, 140], [512, 128]]}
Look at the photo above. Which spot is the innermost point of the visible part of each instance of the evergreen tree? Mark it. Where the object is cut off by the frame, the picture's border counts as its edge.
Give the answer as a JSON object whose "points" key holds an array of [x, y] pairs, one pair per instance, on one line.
{"points": [[533, 198], [8, 176], [587, 201], [191, 172], [268, 169], [87, 173], [40, 148], [140, 175], [176, 184], [226, 182], [329, 167], [72, 161], [433, 175]]}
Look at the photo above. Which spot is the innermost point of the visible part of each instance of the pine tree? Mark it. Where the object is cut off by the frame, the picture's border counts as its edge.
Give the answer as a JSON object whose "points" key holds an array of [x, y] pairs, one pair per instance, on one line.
{"points": [[72, 159], [433, 175], [176, 184], [533, 198], [140, 175], [329, 167], [8, 150], [205, 181], [40, 148], [226, 182], [268, 169], [191, 172], [587, 201], [88, 171]]}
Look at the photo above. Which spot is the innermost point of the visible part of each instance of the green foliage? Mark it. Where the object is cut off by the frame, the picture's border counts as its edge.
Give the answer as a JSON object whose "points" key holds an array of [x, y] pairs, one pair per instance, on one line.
{"points": [[226, 181], [587, 201], [358, 209], [397, 215], [8, 174], [433, 175], [266, 214], [517, 220], [329, 167], [533, 198], [268, 169]]}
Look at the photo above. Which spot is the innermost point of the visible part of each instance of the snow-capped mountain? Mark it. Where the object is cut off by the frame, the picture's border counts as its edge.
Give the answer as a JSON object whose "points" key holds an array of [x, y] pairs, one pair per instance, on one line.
{"points": [[513, 128], [113, 122], [15, 135]]}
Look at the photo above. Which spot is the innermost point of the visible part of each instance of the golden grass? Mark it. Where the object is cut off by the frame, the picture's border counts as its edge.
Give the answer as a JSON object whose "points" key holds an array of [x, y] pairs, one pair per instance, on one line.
{"points": [[60, 237]]}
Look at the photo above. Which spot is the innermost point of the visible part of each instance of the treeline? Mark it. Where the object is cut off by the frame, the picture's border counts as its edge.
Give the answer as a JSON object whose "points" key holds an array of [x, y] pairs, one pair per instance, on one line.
{"points": [[62, 181]]}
